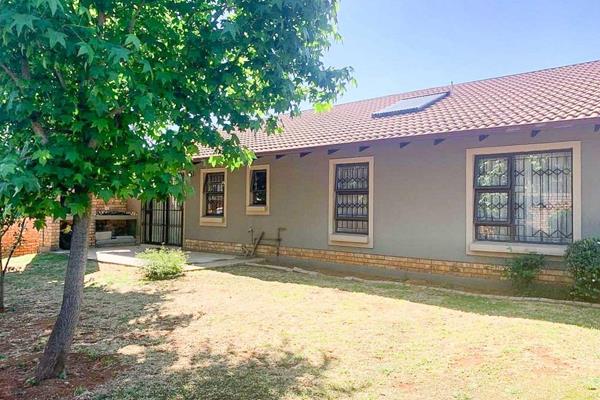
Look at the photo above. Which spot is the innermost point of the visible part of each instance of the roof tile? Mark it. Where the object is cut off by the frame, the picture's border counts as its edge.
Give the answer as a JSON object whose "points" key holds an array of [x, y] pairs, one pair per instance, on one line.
{"points": [[556, 94]]}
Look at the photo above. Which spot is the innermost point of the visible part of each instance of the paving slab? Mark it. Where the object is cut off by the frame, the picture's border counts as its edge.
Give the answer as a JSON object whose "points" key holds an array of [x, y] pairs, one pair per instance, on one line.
{"points": [[126, 255]]}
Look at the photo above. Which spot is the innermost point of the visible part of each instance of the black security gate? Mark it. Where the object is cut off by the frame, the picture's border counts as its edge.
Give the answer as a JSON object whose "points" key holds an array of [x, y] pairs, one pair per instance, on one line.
{"points": [[162, 222]]}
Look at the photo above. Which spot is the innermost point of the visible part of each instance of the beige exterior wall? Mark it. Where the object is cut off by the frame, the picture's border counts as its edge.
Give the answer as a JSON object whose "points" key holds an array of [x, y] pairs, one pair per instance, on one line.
{"points": [[419, 207]]}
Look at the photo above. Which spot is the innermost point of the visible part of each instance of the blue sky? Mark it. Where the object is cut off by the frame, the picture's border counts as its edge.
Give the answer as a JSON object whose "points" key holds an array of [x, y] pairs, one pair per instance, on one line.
{"points": [[397, 46]]}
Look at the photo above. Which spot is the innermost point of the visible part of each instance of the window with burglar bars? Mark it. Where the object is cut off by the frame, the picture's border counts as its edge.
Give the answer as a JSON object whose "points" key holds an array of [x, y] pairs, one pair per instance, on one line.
{"points": [[352, 198], [524, 197], [258, 187], [214, 192]]}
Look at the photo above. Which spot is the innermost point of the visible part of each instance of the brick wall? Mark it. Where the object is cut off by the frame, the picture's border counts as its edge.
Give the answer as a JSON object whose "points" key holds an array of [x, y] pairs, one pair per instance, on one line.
{"points": [[30, 243], [99, 205], [463, 269], [47, 239], [34, 241]]}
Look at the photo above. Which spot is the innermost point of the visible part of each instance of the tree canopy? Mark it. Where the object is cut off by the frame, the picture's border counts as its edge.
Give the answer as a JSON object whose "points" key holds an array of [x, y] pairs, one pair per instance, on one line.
{"points": [[113, 98]]}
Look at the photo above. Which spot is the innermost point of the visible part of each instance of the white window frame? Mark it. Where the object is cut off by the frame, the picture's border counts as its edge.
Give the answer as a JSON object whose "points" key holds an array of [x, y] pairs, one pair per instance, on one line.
{"points": [[349, 239], [212, 220], [475, 247], [257, 209]]}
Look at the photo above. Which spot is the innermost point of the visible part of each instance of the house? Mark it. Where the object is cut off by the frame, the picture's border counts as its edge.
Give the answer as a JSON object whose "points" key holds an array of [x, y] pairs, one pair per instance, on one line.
{"points": [[442, 183]]}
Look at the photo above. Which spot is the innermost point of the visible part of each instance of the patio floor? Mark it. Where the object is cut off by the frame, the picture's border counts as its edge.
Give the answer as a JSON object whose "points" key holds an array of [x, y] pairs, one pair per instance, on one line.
{"points": [[126, 255]]}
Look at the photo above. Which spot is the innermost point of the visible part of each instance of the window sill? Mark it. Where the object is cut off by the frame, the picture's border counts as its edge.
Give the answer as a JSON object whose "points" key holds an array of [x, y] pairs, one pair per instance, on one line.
{"points": [[257, 210], [336, 239], [479, 247], [212, 221]]}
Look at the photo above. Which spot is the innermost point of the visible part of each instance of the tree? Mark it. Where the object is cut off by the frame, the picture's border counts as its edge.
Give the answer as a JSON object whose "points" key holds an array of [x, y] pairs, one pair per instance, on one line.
{"points": [[19, 196], [115, 96]]}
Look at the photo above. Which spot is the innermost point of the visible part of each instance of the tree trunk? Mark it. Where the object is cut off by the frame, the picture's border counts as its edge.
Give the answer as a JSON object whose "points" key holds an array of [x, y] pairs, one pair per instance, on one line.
{"points": [[53, 362], [2, 309]]}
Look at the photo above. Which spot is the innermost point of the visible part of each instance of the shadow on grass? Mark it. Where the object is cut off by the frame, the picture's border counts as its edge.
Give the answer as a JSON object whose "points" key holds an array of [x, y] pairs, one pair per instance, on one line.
{"points": [[272, 375], [110, 320], [124, 327], [582, 316]]}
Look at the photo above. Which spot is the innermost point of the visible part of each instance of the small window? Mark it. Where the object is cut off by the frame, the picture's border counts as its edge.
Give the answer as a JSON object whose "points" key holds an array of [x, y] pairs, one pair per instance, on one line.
{"points": [[214, 192], [258, 188]]}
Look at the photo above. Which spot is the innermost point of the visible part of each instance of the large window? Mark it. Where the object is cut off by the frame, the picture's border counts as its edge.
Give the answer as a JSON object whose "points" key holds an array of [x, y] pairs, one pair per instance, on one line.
{"points": [[214, 192], [351, 202], [524, 197]]}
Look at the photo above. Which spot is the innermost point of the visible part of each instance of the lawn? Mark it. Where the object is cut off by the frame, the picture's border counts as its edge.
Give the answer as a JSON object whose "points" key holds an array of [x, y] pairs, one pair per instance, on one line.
{"points": [[255, 333]]}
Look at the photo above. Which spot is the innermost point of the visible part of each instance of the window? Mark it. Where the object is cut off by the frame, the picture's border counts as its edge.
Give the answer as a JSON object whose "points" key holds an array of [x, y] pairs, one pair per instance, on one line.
{"points": [[352, 198], [214, 190], [257, 190], [213, 197], [410, 105], [351, 194], [525, 197]]}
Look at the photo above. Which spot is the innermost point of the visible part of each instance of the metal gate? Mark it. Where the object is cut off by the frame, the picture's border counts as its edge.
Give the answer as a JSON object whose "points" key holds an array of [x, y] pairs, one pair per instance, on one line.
{"points": [[162, 222]]}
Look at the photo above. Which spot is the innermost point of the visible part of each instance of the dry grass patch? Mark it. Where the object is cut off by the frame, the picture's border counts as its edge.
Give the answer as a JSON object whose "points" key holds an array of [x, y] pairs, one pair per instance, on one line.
{"points": [[251, 333]]}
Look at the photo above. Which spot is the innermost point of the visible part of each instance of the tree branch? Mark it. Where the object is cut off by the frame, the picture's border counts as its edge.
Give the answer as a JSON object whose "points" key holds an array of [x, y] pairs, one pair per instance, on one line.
{"points": [[101, 19], [134, 16], [25, 68], [12, 75], [16, 242], [60, 78], [39, 130]]}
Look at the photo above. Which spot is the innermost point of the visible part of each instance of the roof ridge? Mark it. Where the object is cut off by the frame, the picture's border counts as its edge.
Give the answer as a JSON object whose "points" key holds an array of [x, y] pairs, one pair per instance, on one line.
{"points": [[464, 83], [528, 72]]}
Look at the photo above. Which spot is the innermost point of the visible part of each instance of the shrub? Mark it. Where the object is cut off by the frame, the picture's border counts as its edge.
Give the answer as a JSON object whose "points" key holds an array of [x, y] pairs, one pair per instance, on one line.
{"points": [[163, 263], [523, 269], [583, 260]]}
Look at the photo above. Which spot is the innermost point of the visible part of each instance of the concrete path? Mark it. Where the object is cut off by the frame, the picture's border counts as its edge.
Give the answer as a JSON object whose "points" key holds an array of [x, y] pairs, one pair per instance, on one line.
{"points": [[196, 260]]}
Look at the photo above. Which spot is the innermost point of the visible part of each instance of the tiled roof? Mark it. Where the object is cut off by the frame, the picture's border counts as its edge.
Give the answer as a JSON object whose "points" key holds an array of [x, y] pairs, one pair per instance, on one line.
{"points": [[557, 94]]}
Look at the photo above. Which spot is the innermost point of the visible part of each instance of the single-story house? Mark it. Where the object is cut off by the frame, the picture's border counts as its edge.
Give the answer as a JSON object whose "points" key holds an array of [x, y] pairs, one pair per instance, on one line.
{"points": [[444, 181]]}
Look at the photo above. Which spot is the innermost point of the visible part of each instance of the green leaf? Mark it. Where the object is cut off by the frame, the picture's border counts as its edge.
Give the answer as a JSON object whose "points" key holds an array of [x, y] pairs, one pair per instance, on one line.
{"points": [[105, 194], [56, 37], [231, 28], [144, 101], [7, 169], [322, 107], [22, 20], [42, 156], [86, 49], [101, 124], [147, 68], [133, 39], [116, 54], [78, 178], [72, 155], [54, 4]]}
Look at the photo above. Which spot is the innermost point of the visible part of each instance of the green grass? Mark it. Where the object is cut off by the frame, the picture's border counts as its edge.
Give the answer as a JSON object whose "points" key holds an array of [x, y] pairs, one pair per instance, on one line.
{"points": [[252, 333]]}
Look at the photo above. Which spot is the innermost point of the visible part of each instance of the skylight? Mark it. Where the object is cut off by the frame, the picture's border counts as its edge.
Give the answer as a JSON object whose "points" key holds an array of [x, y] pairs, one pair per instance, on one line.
{"points": [[410, 105]]}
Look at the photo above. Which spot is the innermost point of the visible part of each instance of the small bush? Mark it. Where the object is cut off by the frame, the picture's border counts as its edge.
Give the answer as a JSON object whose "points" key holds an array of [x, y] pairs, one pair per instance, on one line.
{"points": [[583, 260], [163, 263], [523, 269]]}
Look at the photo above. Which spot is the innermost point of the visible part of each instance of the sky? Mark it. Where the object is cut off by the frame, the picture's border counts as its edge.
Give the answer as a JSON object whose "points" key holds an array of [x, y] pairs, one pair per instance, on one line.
{"points": [[399, 45]]}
